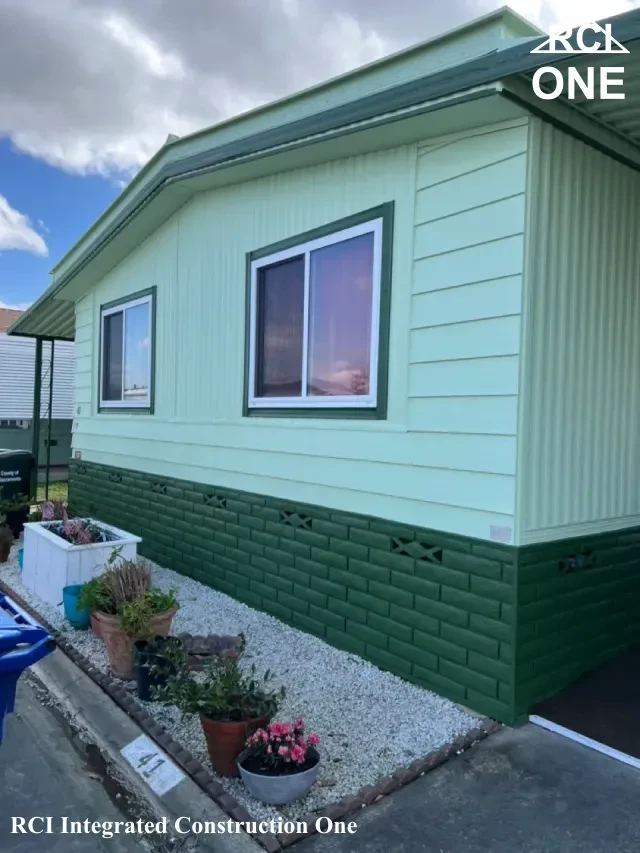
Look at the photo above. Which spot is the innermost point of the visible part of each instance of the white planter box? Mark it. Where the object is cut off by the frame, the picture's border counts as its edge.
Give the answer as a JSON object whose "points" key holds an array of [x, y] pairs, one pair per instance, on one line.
{"points": [[51, 563]]}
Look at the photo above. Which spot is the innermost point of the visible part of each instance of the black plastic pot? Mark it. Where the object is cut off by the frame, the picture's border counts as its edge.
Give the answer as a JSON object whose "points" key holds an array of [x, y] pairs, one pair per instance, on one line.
{"points": [[16, 519], [150, 666]]}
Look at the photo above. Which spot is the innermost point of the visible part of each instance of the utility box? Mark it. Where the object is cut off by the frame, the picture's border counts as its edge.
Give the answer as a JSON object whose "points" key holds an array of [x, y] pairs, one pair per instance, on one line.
{"points": [[16, 467]]}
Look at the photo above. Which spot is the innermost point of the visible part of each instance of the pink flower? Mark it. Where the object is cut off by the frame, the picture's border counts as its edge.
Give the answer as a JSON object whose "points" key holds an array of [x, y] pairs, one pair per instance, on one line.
{"points": [[269, 750], [313, 739], [298, 723], [283, 750], [298, 754], [301, 741]]}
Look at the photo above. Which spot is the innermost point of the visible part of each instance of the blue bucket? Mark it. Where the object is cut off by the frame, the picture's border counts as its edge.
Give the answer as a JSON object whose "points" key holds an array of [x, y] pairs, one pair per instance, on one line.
{"points": [[78, 618]]}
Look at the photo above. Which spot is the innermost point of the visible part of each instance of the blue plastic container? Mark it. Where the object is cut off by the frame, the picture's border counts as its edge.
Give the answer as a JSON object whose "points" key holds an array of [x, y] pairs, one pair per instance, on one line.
{"points": [[20, 557], [22, 642], [78, 618]]}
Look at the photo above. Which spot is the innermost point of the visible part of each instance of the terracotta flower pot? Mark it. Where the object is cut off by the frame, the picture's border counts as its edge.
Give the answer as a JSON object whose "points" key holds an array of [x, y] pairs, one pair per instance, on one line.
{"points": [[95, 625], [226, 740], [119, 645]]}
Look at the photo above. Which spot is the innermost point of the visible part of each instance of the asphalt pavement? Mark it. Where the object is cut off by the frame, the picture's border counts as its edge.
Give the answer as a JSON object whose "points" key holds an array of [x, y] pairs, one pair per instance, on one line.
{"points": [[41, 775]]}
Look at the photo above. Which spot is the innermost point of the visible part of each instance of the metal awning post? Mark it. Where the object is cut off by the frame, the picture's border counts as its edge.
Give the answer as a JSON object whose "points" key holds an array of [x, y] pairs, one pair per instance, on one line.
{"points": [[46, 475], [35, 445]]}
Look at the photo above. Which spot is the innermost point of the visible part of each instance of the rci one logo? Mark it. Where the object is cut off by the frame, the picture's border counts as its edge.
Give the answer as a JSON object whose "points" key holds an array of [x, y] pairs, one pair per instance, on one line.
{"points": [[588, 40]]}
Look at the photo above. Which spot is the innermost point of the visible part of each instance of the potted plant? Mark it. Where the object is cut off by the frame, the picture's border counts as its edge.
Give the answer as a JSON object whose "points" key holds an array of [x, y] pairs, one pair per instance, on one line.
{"points": [[231, 702], [6, 540], [279, 763], [16, 512], [64, 551], [126, 609], [154, 660]]}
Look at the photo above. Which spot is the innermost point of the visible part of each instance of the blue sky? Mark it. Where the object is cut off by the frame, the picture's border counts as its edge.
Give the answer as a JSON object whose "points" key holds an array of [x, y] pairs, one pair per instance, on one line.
{"points": [[59, 207]]}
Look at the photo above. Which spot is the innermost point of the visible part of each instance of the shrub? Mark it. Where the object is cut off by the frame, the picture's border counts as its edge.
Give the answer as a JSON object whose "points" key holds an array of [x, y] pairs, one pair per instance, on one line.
{"points": [[222, 690]]}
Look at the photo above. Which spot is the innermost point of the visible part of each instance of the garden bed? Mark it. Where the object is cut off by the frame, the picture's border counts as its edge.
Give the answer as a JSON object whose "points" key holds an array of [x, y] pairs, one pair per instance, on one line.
{"points": [[370, 722]]}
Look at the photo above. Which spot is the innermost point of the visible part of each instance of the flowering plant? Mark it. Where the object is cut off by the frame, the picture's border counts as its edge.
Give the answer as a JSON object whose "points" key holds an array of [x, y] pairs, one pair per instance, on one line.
{"points": [[281, 748], [54, 510], [78, 531]]}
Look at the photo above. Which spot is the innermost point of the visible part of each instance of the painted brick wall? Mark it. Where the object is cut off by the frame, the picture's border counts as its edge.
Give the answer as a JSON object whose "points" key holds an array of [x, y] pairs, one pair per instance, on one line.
{"points": [[578, 605], [433, 608]]}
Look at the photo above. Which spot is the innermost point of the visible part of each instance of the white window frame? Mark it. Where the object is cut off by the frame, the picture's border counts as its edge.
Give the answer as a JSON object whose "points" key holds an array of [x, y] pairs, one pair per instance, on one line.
{"points": [[121, 308], [369, 401]]}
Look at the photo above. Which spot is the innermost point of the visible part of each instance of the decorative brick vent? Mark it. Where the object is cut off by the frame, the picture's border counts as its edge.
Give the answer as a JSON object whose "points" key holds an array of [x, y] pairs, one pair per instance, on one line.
{"points": [[215, 500], [418, 550], [295, 520], [577, 562]]}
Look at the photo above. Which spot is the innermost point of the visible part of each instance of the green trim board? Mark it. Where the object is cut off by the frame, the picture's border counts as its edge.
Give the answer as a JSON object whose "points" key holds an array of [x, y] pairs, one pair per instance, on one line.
{"points": [[386, 213], [141, 410]]}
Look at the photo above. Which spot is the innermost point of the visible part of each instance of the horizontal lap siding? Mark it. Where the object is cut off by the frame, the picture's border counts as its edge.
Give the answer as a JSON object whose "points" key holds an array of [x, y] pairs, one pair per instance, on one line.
{"points": [[465, 313], [581, 407], [445, 455], [17, 372]]}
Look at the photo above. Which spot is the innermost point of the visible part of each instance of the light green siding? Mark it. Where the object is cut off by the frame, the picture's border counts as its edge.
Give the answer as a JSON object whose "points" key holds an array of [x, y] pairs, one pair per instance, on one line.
{"points": [[445, 456], [580, 454]]}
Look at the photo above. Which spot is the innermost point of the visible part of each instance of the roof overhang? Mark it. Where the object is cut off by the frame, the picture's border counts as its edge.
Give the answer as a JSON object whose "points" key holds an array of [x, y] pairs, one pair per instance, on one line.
{"points": [[493, 87]]}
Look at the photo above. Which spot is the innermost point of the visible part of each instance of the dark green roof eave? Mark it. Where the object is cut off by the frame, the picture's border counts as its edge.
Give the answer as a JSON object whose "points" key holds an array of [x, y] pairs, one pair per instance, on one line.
{"points": [[483, 70]]}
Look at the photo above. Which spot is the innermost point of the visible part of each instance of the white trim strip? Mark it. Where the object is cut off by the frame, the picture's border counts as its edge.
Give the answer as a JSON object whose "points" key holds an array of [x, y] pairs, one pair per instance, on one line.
{"points": [[585, 741]]}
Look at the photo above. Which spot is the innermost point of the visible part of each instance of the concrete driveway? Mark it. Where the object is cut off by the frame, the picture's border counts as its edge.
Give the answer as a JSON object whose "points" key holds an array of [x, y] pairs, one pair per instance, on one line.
{"points": [[523, 790]]}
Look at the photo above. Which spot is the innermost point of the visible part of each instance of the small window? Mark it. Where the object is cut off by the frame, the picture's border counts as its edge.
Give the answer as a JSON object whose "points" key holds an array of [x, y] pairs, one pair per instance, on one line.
{"points": [[314, 332], [127, 354]]}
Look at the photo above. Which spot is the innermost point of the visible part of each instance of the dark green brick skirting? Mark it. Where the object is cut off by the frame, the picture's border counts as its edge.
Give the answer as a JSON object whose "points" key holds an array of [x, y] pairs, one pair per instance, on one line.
{"points": [[436, 609]]}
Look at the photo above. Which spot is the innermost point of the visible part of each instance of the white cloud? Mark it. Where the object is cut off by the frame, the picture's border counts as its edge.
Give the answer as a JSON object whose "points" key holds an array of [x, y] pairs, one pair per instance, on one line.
{"points": [[95, 86], [16, 231], [20, 306]]}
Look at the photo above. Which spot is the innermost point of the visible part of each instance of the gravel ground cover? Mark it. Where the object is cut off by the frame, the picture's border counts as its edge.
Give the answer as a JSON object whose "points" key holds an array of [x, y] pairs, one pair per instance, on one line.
{"points": [[369, 721]]}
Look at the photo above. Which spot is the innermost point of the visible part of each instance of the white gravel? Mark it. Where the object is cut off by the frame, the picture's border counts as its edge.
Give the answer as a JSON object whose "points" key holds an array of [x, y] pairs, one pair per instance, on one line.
{"points": [[369, 721]]}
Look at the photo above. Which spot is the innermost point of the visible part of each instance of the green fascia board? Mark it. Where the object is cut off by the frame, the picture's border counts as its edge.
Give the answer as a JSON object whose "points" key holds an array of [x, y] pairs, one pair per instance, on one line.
{"points": [[510, 20], [490, 68], [475, 72]]}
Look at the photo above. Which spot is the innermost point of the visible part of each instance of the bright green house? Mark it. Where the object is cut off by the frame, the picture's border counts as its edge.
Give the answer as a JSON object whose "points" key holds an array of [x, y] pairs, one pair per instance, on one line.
{"points": [[368, 359]]}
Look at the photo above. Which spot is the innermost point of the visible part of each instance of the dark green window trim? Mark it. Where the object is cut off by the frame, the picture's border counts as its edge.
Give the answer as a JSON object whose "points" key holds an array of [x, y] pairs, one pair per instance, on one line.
{"points": [[130, 410], [379, 412]]}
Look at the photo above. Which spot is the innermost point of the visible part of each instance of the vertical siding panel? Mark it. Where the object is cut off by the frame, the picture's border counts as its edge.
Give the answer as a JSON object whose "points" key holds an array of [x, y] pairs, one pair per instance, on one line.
{"points": [[580, 456]]}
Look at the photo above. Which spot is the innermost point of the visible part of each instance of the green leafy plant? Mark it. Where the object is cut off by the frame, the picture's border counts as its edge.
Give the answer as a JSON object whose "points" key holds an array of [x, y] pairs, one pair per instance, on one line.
{"points": [[135, 616], [222, 691], [94, 598], [15, 504]]}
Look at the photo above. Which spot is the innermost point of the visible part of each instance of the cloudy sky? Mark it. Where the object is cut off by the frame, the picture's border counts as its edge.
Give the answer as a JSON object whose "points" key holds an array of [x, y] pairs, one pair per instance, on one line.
{"points": [[89, 89]]}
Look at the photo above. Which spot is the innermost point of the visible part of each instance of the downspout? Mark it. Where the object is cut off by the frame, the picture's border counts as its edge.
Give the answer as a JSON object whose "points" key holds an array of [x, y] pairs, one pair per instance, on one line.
{"points": [[35, 439], [47, 471]]}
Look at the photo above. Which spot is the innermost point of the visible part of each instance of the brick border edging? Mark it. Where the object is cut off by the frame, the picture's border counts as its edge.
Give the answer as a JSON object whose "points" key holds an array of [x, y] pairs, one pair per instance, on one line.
{"points": [[200, 775]]}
